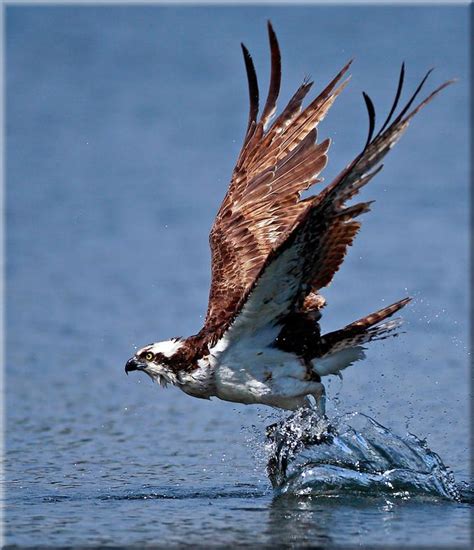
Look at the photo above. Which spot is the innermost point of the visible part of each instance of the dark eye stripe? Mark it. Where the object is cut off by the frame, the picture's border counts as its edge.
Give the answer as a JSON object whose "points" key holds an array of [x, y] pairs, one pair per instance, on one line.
{"points": [[160, 358]]}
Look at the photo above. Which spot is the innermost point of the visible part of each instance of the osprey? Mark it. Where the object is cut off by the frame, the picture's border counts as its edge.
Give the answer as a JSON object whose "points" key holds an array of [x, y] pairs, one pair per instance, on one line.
{"points": [[272, 252]]}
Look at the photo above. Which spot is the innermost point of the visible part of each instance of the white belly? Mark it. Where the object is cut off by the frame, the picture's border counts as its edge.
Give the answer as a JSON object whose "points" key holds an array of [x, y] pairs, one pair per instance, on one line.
{"points": [[247, 373]]}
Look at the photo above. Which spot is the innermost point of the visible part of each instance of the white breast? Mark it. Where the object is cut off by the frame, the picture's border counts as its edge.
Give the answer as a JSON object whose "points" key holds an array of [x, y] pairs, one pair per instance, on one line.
{"points": [[249, 371], [199, 382]]}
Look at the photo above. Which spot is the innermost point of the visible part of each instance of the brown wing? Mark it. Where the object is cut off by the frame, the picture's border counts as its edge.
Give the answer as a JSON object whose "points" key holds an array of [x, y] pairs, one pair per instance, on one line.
{"points": [[276, 164], [313, 251], [340, 227]]}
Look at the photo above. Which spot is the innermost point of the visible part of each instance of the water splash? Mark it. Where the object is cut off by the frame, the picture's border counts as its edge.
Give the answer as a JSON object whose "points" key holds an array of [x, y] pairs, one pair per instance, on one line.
{"points": [[354, 455]]}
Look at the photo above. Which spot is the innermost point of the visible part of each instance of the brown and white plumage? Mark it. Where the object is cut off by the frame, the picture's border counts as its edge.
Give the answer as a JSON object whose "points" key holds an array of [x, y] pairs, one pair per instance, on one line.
{"points": [[272, 253]]}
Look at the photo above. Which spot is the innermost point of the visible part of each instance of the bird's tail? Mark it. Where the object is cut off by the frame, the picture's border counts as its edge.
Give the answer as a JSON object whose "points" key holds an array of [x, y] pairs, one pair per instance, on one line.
{"points": [[343, 347]]}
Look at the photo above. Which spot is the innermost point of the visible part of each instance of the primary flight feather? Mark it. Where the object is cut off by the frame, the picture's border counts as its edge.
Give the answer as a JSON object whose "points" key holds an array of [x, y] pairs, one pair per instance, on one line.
{"points": [[272, 253]]}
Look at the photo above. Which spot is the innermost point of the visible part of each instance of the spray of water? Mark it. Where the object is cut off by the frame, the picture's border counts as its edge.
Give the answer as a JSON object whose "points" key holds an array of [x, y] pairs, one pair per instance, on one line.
{"points": [[353, 454]]}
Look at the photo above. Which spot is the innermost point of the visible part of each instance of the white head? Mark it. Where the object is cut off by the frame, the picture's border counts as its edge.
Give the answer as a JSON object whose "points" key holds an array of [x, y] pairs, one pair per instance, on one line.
{"points": [[158, 360]]}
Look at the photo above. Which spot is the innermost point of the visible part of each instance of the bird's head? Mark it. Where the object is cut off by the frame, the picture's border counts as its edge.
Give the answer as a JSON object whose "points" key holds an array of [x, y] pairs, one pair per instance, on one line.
{"points": [[157, 361]]}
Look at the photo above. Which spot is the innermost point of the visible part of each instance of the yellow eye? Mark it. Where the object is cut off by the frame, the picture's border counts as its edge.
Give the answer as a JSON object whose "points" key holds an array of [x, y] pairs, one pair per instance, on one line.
{"points": [[149, 356]]}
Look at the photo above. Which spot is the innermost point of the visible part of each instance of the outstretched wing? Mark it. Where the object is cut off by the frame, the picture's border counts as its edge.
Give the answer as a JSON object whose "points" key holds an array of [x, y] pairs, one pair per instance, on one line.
{"points": [[314, 250], [276, 164]]}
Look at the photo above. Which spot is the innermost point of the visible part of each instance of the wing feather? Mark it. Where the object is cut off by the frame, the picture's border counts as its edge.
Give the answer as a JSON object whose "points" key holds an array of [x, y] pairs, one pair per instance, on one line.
{"points": [[308, 258], [271, 249], [263, 201], [275, 77], [253, 91], [349, 183]]}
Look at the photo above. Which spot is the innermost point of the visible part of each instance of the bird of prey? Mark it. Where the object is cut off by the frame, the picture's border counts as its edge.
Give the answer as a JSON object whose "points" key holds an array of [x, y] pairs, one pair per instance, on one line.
{"points": [[272, 253]]}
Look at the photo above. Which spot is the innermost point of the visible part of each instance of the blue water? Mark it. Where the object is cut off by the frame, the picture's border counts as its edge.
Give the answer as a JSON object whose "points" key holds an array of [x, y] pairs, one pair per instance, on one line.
{"points": [[122, 127]]}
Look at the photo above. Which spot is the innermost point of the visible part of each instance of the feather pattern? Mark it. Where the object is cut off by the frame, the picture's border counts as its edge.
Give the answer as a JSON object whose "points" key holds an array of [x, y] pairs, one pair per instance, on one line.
{"points": [[363, 330], [266, 242], [263, 201]]}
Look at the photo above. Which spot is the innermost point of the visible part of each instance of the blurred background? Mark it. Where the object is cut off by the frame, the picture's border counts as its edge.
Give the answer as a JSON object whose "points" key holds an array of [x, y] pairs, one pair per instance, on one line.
{"points": [[122, 128]]}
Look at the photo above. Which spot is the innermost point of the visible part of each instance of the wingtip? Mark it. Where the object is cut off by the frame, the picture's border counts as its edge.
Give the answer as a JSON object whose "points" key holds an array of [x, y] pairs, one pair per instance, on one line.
{"points": [[245, 51], [451, 81], [371, 112], [272, 37], [275, 75], [445, 85], [343, 72], [252, 87]]}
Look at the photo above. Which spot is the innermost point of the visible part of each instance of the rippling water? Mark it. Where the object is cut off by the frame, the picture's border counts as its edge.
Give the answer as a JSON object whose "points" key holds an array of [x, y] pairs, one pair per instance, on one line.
{"points": [[122, 128]]}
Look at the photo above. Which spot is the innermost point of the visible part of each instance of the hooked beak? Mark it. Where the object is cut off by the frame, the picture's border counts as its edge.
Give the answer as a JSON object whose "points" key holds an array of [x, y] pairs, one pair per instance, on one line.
{"points": [[133, 364]]}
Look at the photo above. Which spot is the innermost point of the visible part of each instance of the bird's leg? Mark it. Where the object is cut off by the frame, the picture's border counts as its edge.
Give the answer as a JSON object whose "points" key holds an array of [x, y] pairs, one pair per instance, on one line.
{"points": [[320, 398], [317, 400], [316, 389]]}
